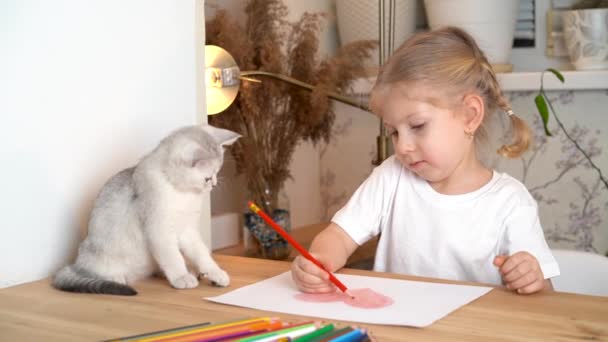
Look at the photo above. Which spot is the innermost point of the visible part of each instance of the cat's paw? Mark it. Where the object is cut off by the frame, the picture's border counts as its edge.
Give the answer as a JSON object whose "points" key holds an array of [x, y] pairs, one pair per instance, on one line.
{"points": [[187, 281], [218, 277]]}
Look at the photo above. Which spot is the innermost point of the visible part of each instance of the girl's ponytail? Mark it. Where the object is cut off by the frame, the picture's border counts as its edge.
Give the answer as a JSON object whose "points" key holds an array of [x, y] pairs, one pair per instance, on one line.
{"points": [[520, 131], [522, 137]]}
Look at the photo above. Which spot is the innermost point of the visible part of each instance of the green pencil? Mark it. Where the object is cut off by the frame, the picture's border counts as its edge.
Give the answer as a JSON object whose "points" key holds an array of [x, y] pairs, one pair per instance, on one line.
{"points": [[332, 334]]}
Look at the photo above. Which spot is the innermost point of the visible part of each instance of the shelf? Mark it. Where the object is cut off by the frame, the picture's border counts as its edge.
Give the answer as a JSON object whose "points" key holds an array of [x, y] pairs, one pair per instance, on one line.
{"points": [[574, 80], [527, 81]]}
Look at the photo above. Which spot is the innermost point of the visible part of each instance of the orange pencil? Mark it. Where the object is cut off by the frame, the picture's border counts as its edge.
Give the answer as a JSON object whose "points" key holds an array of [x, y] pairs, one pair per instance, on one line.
{"points": [[296, 245], [220, 333]]}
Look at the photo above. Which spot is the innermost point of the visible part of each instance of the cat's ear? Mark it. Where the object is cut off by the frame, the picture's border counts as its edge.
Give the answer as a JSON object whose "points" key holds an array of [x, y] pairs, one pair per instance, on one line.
{"points": [[222, 136], [188, 154]]}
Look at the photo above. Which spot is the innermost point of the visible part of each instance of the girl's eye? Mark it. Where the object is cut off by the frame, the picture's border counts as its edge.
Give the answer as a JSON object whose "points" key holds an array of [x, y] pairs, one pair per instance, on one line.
{"points": [[393, 132], [417, 127]]}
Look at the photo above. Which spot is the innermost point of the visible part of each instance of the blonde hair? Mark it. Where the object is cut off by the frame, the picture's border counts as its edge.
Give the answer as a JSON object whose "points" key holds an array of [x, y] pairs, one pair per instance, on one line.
{"points": [[450, 58]]}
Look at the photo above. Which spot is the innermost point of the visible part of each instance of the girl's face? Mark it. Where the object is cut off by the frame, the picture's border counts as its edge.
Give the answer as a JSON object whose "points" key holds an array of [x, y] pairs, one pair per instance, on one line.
{"points": [[429, 139]]}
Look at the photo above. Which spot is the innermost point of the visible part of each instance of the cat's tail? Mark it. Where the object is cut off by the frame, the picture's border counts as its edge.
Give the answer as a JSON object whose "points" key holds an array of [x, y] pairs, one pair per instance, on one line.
{"points": [[75, 279]]}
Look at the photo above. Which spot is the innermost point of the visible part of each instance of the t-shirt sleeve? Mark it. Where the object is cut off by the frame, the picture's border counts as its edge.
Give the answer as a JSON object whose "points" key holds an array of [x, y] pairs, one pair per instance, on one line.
{"points": [[361, 216], [524, 233]]}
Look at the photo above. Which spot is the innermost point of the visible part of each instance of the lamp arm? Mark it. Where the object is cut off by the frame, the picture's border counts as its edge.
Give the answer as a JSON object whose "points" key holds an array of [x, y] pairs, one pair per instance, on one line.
{"points": [[293, 81]]}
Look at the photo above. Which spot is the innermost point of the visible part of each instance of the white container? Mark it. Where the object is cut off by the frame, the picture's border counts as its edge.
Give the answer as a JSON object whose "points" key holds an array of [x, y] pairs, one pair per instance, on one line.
{"points": [[359, 20], [490, 22], [586, 37], [224, 230]]}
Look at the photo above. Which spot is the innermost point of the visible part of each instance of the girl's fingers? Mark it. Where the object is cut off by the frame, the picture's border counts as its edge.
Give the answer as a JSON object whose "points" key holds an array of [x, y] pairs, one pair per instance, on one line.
{"points": [[499, 260], [523, 281], [304, 278], [532, 288], [512, 262], [310, 284], [308, 279], [520, 272], [310, 268], [522, 269], [321, 289]]}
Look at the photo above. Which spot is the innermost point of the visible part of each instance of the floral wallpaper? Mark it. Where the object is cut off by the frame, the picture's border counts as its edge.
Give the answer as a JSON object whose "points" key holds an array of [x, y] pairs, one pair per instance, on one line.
{"points": [[573, 203]]}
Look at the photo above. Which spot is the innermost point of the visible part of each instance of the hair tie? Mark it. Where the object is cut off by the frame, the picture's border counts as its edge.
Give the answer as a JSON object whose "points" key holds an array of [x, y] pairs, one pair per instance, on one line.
{"points": [[510, 112]]}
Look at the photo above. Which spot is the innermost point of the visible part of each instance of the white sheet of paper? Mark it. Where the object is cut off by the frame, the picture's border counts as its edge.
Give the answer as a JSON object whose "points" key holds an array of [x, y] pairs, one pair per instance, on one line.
{"points": [[416, 303]]}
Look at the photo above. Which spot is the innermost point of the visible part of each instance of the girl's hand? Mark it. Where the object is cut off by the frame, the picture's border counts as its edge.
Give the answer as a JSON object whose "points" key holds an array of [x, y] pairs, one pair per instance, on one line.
{"points": [[520, 272], [309, 277]]}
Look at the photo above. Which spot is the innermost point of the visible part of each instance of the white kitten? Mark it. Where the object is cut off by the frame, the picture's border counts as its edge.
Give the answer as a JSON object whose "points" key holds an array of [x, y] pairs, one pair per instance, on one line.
{"points": [[147, 219]]}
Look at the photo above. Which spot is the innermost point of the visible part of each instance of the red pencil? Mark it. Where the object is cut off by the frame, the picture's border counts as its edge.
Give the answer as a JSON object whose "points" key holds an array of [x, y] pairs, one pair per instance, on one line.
{"points": [[296, 245]]}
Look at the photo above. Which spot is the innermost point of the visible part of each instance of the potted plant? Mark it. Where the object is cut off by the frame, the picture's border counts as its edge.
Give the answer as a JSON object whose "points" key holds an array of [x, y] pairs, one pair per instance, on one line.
{"points": [[586, 34], [273, 116], [544, 107]]}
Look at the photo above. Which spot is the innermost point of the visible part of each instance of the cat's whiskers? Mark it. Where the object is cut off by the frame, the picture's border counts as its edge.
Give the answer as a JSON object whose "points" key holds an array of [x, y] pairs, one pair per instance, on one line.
{"points": [[220, 179]]}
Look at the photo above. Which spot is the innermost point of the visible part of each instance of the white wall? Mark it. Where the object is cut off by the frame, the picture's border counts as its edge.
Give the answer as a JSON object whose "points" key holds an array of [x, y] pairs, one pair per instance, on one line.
{"points": [[86, 88]]}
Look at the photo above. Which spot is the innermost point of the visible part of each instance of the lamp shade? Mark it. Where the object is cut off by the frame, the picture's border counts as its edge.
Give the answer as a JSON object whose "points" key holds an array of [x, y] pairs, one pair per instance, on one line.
{"points": [[218, 98]]}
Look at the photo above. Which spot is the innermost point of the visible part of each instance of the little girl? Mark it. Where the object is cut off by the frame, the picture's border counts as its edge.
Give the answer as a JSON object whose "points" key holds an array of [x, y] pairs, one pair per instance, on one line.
{"points": [[441, 212]]}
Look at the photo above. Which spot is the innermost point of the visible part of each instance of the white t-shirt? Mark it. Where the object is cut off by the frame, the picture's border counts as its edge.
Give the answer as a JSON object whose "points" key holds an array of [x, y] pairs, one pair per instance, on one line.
{"points": [[456, 237]]}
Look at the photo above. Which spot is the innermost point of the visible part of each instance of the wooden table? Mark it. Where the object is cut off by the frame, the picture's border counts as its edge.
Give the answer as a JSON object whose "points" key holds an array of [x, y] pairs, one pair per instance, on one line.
{"points": [[37, 312]]}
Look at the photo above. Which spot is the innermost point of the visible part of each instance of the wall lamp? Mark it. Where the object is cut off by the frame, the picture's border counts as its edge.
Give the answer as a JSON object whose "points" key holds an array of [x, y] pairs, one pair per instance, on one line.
{"points": [[223, 78]]}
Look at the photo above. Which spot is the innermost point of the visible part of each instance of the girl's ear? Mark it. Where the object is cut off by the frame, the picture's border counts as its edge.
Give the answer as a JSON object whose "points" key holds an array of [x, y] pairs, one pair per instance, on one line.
{"points": [[474, 111]]}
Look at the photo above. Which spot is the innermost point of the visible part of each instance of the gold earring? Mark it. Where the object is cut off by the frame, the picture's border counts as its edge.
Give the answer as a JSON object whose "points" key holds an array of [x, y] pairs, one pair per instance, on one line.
{"points": [[469, 134]]}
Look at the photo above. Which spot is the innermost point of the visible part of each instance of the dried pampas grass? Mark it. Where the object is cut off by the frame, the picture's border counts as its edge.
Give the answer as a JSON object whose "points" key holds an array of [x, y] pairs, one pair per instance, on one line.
{"points": [[274, 116]]}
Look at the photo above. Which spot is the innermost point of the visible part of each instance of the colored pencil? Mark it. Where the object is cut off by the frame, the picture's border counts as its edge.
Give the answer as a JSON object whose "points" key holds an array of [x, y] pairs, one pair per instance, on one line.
{"points": [[259, 333], [351, 336], [311, 336], [289, 331], [157, 333], [227, 332], [180, 332], [332, 334], [296, 245], [261, 329]]}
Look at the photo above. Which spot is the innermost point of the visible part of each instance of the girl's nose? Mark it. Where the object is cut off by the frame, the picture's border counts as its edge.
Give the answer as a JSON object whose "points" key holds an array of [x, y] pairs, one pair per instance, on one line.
{"points": [[403, 145]]}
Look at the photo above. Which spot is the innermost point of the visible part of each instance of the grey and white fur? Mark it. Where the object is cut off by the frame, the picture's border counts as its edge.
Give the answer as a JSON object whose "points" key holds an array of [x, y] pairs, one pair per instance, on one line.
{"points": [[147, 219]]}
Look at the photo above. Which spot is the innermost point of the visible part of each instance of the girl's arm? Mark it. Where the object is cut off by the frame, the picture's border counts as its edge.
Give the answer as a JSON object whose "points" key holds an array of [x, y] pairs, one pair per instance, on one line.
{"points": [[331, 247], [334, 246]]}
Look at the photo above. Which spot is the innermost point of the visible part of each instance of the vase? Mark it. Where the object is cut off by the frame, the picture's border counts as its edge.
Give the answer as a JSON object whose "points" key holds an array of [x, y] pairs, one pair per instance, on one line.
{"points": [[490, 22], [358, 20], [261, 240], [586, 37]]}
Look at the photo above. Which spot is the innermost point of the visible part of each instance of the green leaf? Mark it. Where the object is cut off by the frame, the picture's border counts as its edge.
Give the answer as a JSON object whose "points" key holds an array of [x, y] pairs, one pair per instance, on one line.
{"points": [[541, 105], [557, 74]]}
